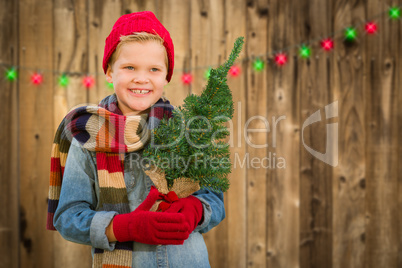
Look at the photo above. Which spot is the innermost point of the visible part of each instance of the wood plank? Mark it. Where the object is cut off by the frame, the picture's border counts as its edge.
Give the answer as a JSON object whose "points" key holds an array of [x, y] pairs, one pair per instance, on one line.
{"points": [[349, 195], [71, 57], [101, 17], [316, 176], [235, 198], [303, 85], [208, 49], [70, 54], [256, 114], [283, 139], [177, 22], [398, 79], [140, 5], [9, 176], [36, 130], [207, 40], [382, 242]]}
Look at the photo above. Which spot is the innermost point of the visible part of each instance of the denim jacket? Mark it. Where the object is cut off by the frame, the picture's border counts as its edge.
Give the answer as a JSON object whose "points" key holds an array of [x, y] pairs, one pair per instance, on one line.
{"points": [[78, 220]]}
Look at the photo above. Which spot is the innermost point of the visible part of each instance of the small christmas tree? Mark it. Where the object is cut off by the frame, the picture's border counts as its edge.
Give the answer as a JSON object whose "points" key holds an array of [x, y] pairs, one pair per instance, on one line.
{"points": [[191, 144]]}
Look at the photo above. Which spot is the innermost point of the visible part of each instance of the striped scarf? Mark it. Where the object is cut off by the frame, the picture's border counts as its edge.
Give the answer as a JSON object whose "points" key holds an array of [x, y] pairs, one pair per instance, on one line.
{"points": [[105, 130]]}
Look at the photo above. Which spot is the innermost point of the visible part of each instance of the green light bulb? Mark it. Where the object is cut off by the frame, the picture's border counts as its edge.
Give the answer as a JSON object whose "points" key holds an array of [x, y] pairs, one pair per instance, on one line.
{"points": [[305, 52], [109, 85], [258, 65], [11, 74], [350, 34], [394, 13], [207, 73], [63, 80]]}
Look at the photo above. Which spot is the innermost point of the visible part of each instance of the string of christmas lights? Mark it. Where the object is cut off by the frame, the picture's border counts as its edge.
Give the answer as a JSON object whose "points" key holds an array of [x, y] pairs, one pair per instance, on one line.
{"points": [[350, 34]]}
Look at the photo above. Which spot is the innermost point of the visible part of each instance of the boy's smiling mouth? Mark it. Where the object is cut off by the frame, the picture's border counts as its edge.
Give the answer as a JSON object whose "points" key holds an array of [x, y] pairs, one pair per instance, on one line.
{"points": [[139, 91]]}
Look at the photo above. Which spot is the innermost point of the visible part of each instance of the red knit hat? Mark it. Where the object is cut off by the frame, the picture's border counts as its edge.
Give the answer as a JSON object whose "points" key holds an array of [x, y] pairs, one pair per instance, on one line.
{"points": [[144, 21]]}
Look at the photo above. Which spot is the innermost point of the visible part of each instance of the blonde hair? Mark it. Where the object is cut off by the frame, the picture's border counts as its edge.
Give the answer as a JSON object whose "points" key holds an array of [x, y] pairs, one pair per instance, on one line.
{"points": [[136, 37]]}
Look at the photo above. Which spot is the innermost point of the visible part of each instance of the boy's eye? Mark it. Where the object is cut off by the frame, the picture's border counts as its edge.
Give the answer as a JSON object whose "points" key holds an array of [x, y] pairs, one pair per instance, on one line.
{"points": [[130, 67], [154, 69]]}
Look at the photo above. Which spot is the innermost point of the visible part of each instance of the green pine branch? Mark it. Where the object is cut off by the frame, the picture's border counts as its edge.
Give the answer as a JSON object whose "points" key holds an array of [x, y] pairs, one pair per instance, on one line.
{"points": [[191, 143]]}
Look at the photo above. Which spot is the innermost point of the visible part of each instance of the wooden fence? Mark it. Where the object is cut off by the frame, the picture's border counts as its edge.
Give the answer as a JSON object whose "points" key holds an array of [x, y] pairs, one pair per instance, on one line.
{"points": [[296, 212]]}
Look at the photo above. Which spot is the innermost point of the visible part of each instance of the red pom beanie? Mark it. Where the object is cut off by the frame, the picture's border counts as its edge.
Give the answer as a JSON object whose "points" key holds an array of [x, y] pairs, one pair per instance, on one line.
{"points": [[144, 21]]}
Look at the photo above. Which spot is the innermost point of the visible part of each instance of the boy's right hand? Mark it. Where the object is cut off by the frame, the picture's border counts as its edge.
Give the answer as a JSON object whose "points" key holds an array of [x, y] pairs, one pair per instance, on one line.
{"points": [[148, 227]]}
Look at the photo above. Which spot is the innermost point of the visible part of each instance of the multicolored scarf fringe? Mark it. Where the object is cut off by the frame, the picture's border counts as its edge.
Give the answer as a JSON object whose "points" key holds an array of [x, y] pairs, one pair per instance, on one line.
{"points": [[105, 130]]}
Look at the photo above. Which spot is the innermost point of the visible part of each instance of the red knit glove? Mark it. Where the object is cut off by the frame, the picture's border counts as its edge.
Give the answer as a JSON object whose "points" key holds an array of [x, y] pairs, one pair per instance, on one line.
{"points": [[191, 208], [148, 227]]}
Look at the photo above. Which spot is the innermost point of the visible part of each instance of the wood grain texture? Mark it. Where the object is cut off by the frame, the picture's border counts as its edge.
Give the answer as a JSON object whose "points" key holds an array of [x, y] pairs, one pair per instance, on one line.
{"points": [[177, 21], [207, 39], [236, 198], [256, 136], [9, 168], [284, 142], [382, 224], [349, 178], [70, 55], [36, 131], [398, 82], [316, 177], [101, 17]]}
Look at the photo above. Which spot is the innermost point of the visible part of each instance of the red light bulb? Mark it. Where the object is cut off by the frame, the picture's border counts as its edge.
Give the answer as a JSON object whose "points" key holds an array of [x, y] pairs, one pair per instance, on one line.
{"points": [[187, 78], [371, 27], [281, 59], [88, 81], [327, 44], [234, 71], [37, 78]]}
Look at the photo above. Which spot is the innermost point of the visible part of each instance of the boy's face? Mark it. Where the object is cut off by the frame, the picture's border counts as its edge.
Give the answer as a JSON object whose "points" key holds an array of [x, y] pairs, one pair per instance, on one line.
{"points": [[138, 76]]}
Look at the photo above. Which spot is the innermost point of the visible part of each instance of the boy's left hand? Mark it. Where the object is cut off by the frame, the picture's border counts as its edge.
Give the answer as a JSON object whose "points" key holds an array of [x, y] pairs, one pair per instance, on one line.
{"points": [[191, 208]]}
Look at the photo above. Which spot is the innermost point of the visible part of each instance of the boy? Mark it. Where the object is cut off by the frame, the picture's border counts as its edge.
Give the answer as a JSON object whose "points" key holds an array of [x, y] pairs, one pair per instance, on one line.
{"points": [[104, 203]]}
